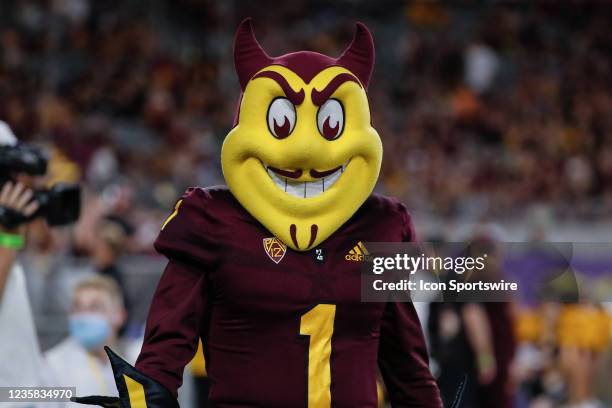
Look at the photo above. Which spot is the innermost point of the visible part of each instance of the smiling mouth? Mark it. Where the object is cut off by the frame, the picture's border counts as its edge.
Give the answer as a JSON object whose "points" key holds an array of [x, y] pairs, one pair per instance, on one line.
{"points": [[286, 180]]}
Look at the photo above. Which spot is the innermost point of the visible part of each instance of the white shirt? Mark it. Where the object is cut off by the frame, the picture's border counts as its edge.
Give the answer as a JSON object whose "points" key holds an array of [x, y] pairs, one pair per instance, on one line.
{"points": [[22, 363], [70, 365]]}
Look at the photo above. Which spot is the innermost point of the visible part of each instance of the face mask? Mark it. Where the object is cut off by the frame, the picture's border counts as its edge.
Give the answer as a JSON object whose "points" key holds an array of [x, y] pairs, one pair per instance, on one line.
{"points": [[90, 329]]}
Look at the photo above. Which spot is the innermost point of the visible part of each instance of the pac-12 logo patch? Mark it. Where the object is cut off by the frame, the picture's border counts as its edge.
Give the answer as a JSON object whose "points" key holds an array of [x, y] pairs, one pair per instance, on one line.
{"points": [[274, 248]]}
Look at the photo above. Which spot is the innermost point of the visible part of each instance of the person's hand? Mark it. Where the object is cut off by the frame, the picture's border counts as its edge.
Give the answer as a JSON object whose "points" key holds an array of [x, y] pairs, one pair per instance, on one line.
{"points": [[17, 197], [487, 368]]}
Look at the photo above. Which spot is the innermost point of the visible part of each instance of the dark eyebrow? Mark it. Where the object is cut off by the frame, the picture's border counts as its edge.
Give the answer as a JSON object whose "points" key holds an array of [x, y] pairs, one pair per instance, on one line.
{"points": [[296, 98], [319, 97]]}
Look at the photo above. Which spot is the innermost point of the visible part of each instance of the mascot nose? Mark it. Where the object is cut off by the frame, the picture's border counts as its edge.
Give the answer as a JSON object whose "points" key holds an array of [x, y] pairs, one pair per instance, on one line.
{"points": [[306, 150]]}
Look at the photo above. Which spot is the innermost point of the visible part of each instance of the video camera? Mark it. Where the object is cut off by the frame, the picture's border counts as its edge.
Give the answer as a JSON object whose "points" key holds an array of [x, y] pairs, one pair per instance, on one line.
{"points": [[59, 205]]}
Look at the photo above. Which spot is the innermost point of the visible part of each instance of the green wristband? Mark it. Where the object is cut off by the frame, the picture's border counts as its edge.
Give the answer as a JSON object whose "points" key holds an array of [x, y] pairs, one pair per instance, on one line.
{"points": [[11, 241], [485, 360]]}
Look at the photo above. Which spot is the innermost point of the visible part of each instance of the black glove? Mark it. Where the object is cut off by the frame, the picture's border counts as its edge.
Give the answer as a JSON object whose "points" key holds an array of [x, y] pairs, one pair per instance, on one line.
{"points": [[136, 390], [106, 402]]}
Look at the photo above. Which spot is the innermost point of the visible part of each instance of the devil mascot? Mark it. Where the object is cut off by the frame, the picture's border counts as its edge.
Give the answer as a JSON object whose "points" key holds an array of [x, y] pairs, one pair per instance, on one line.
{"points": [[266, 271]]}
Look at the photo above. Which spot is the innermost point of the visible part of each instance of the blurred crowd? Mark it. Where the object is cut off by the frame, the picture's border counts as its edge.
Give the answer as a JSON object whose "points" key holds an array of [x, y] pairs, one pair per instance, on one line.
{"points": [[485, 111]]}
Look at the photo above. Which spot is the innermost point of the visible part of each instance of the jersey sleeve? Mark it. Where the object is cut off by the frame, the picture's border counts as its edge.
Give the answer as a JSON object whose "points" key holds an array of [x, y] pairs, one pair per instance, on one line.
{"points": [[408, 232], [179, 305], [402, 353], [173, 324], [403, 361], [187, 234]]}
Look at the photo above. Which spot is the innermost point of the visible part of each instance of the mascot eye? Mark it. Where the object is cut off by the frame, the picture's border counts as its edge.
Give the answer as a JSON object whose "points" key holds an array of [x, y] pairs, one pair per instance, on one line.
{"points": [[330, 119], [281, 117]]}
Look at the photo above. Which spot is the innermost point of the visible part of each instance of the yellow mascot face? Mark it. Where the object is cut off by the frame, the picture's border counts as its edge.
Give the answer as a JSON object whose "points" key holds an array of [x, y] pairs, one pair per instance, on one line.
{"points": [[302, 156]]}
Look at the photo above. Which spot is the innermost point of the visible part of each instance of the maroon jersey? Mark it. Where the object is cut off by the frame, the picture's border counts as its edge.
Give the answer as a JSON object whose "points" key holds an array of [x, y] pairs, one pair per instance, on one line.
{"points": [[254, 303]]}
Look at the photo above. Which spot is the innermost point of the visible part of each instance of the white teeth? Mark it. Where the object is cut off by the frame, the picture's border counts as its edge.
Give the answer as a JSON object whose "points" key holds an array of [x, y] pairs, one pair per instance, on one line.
{"points": [[314, 188], [293, 188], [306, 189], [281, 182], [332, 178]]}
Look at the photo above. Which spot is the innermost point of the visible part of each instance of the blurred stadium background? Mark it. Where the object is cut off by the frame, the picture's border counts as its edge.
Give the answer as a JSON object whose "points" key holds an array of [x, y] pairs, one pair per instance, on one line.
{"points": [[491, 113]]}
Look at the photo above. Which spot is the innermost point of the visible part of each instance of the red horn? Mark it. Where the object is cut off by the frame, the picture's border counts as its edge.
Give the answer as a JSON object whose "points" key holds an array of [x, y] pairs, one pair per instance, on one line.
{"points": [[249, 57], [359, 56]]}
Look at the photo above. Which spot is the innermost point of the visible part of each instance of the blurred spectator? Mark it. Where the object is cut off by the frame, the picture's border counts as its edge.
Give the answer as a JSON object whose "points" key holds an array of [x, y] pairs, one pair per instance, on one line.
{"points": [[475, 340], [481, 66], [96, 316], [113, 241], [583, 334]]}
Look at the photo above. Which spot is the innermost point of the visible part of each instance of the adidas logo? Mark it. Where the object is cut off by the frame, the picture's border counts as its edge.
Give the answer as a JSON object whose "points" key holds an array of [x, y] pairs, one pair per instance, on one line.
{"points": [[358, 254]]}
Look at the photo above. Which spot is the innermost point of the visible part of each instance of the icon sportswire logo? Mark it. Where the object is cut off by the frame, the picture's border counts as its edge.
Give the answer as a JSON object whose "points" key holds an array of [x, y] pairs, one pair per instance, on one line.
{"points": [[358, 253]]}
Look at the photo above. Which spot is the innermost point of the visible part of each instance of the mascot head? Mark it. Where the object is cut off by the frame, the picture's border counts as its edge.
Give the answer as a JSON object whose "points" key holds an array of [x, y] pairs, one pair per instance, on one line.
{"points": [[303, 155]]}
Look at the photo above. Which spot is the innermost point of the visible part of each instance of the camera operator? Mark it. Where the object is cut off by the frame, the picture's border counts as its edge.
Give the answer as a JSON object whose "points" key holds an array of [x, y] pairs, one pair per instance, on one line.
{"points": [[18, 336], [22, 362]]}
